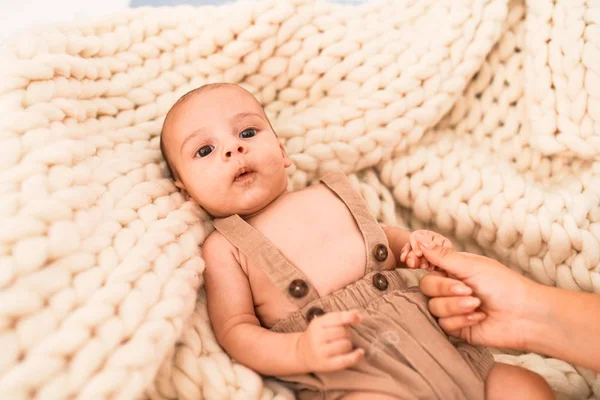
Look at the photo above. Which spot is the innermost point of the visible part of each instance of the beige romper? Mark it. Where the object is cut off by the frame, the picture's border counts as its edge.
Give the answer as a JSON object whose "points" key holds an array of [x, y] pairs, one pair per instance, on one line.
{"points": [[407, 354]]}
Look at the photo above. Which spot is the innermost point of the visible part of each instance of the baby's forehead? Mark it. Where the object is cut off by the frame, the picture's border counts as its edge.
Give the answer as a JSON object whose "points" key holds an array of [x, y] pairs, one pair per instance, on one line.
{"points": [[219, 102], [204, 106]]}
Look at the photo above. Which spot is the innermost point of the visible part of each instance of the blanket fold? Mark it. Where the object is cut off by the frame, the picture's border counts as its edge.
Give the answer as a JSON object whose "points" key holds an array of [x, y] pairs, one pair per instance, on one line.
{"points": [[476, 118]]}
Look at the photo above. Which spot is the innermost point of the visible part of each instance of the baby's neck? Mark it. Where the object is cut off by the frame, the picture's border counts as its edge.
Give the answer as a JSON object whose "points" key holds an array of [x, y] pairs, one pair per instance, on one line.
{"points": [[266, 206]]}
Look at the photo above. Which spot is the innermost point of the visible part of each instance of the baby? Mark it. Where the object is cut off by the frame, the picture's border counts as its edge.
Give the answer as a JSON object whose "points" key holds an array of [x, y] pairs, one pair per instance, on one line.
{"points": [[303, 286]]}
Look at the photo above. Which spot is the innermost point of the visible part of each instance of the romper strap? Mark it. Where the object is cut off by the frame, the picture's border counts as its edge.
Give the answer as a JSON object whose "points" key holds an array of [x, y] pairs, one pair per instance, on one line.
{"points": [[285, 276], [376, 242]]}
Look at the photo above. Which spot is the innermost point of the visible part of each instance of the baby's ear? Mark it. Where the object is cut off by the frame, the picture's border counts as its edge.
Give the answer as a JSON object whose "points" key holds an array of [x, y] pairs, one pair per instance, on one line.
{"points": [[287, 162], [179, 184], [181, 187]]}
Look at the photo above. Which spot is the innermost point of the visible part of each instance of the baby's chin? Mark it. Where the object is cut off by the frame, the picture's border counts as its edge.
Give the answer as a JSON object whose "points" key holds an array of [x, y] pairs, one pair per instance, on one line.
{"points": [[248, 202], [245, 208]]}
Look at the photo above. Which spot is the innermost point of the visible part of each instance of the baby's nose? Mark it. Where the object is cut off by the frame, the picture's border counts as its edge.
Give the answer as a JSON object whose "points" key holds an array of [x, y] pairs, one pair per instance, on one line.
{"points": [[239, 148]]}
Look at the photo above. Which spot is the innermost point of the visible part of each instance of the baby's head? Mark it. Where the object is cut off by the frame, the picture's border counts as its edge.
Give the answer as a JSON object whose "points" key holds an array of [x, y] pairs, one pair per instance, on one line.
{"points": [[221, 149]]}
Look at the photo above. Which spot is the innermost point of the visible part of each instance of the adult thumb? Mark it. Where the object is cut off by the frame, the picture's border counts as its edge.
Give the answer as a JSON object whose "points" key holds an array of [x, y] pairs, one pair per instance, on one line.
{"points": [[459, 265]]}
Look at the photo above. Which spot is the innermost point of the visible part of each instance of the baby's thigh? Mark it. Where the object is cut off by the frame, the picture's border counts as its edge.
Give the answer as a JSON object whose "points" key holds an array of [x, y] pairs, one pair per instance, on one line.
{"points": [[368, 396], [511, 382]]}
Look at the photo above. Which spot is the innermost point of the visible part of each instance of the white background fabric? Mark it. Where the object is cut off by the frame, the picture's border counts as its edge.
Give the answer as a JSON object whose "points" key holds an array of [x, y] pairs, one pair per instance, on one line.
{"points": [[479, 119]]}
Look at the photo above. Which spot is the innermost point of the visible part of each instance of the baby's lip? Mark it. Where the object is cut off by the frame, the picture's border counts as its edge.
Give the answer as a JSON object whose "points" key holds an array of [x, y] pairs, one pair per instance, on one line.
{"points": [[242, 170]]}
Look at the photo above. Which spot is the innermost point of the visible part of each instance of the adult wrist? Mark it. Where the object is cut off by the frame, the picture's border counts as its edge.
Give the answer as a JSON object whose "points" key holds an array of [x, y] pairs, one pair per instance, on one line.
{"points": [[540, 328]]}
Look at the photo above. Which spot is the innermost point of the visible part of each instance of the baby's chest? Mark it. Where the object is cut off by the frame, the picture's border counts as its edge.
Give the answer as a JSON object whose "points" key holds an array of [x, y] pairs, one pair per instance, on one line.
{"points": [[324, 243]]}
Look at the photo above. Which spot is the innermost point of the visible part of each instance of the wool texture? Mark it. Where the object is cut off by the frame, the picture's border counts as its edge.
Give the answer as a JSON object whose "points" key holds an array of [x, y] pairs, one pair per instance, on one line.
{"points": [[479, 119]]}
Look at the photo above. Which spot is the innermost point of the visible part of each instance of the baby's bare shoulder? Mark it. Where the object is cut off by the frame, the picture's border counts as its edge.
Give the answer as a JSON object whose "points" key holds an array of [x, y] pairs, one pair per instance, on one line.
{"points": [[215, 242], [219, 254], [227, 287]]}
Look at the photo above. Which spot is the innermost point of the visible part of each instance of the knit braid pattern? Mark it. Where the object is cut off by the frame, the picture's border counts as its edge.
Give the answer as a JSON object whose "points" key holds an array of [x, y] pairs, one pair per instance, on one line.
{"points": [[476, 118]]}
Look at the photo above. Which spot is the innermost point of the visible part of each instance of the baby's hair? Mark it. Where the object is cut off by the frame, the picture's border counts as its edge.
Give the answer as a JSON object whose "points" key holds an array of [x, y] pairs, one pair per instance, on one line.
{"points": [[182, 99]]}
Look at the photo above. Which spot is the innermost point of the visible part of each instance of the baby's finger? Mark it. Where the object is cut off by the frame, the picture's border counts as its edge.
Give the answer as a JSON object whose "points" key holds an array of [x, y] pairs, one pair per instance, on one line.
{"points": [[449, 306], [333, 333], [412, 261], [424, 264], [338, 347], [436, 285], [346, 360], [414, 243], [452, 325], [404, 252], [339, 318]]}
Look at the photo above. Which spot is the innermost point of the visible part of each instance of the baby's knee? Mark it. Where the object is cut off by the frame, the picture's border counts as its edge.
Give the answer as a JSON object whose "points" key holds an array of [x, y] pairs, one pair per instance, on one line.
{"points": [[511, 382]]}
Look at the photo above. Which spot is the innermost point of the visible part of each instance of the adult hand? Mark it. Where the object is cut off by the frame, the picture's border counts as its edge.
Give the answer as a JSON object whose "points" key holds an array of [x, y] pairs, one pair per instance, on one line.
{"points": [[479, 300], [412, 253], [510, 310]]}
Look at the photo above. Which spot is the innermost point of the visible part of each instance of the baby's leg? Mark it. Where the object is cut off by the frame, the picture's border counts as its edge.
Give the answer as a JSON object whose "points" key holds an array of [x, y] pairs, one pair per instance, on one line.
{"points": [[511, 382], [368, 396]]}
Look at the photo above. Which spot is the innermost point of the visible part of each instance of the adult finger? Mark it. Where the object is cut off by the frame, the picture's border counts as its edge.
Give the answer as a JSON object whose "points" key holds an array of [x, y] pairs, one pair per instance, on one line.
{"points": [[453, 325], [435, 285], [461, 265], [439, 240], [438, 272], [338, 318], [449, 306], [444, 242]]}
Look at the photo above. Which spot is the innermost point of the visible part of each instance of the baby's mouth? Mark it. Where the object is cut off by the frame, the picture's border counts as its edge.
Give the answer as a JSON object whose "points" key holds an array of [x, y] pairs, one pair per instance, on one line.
{"points": [[243, 174]]}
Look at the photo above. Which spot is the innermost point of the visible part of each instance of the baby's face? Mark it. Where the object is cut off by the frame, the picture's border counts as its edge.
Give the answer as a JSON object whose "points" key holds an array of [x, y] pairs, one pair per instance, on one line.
{"points": [[225, 152]]}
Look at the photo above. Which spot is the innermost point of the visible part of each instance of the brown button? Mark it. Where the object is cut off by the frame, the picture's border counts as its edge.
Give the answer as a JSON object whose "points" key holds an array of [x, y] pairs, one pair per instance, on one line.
{"points": [[314, 312], [380, 252], [380, 281], [298, 288]]}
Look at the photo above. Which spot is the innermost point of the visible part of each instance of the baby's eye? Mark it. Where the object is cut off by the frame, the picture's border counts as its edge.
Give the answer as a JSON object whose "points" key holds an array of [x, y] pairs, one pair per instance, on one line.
{"points": [[248, 133], [204, 151]]}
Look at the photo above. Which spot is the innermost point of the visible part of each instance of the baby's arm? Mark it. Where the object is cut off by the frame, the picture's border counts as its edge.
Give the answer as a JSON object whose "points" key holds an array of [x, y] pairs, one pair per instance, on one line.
{"points": [[397, 238], [231, 312], [405, 245]]}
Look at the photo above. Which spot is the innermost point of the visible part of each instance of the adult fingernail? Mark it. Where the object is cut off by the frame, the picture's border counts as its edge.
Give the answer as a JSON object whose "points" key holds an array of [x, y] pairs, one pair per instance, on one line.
{"points": [[461, 289], [470, 302]]}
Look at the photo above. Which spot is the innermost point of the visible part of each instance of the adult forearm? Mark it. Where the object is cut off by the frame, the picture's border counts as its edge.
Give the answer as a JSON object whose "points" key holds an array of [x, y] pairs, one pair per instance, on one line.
{"points": [[264, 351], [565, 325]]}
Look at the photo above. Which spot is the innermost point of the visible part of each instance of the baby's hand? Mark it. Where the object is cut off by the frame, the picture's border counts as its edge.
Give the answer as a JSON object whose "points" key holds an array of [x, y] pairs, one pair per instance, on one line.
{"points": [[412, 254], [325, 345]]}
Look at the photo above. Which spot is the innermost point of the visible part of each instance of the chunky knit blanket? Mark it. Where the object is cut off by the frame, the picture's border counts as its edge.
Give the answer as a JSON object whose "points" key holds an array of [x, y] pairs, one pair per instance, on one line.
{"points": [[477, 118]]}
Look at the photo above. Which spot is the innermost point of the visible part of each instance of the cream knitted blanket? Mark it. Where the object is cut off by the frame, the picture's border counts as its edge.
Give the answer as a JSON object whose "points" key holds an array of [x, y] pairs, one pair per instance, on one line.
{"points": [[479, 118]]}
